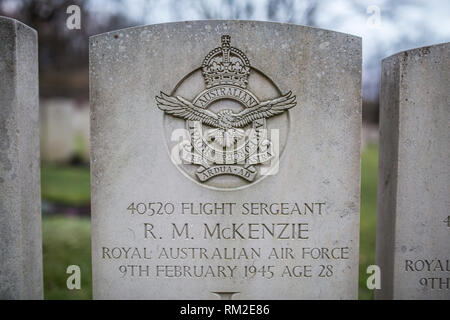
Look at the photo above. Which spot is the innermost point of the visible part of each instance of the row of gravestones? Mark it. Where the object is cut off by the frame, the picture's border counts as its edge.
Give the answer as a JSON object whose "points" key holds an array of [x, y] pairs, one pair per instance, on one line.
{"points": [[264, 204]]}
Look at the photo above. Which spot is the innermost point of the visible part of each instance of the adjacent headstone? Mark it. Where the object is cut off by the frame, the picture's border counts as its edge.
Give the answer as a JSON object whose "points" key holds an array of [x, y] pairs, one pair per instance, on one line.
{"points": [[225, 160], [413, 226], [58, 132], [20, 198]]}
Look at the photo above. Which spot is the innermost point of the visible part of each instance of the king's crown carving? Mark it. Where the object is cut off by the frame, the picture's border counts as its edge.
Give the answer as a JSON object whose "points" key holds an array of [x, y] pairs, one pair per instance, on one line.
{"points": [[226, 65]]}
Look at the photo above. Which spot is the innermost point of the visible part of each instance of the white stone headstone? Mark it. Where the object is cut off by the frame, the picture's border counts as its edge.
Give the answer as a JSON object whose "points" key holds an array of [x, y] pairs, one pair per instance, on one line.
{"points": [[224, 219], [413, 226], [20, 197], [82, 126]]}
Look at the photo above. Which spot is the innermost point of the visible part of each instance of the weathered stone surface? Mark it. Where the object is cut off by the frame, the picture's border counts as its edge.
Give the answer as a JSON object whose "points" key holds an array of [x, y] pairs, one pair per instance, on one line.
{"points": [[413, 240], [20, 199], [319, 168]]}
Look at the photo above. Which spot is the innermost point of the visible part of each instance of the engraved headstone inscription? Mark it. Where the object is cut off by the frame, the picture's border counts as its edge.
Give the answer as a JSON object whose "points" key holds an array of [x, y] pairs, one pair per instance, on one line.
{"points": [[20, 193], [225, 160], [413, 226]]}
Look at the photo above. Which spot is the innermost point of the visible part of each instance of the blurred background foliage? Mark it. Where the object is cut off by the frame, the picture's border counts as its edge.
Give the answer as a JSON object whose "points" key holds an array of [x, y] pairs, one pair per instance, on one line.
{"points": [[63, 53]]}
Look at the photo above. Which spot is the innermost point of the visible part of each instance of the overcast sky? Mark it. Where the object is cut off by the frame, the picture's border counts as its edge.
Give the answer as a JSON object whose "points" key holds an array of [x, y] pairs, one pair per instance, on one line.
{"points": [[401, 25]]}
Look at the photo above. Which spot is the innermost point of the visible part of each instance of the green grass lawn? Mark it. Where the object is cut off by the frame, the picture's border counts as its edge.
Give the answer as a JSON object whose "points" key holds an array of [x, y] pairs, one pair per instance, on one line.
{"points": [[67, 240]]}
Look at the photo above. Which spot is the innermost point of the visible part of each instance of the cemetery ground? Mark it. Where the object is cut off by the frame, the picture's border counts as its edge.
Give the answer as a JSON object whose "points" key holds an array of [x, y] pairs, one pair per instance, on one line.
{"points": [[67, 240]]}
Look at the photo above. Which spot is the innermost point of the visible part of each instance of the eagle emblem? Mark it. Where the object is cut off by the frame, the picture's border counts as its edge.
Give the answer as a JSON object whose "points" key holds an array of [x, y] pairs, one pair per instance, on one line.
{"points": [[226, 147]]}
